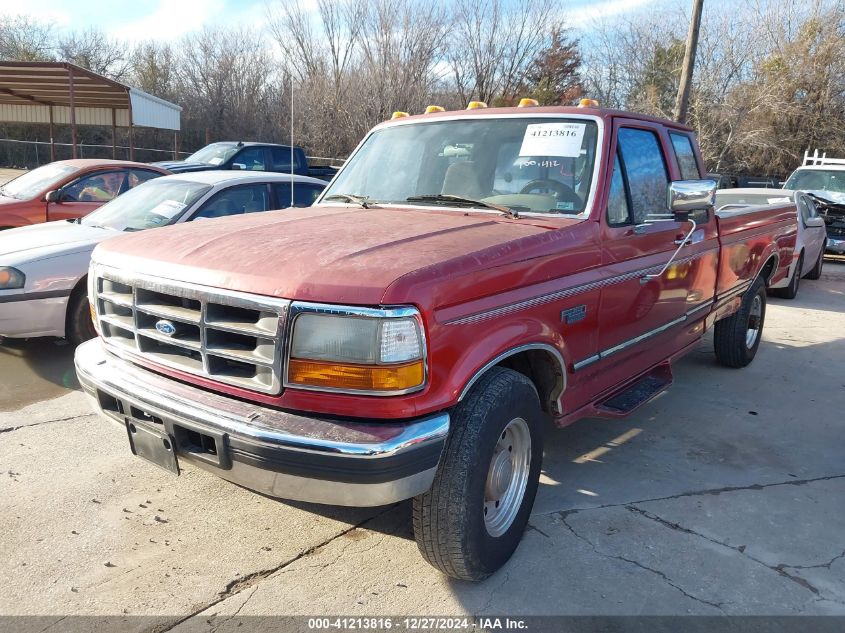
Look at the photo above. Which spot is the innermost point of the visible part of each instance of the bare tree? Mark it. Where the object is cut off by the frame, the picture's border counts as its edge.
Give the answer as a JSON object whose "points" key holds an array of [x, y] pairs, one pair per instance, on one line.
{"points": [[24, 38], [94, 50], [494, 44]]}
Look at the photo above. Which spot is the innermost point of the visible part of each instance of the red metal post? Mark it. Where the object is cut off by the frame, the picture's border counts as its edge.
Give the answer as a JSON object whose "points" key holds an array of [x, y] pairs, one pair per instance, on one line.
{"points": [[113, 133], [131, 132], [52, 143], [72, 113]]}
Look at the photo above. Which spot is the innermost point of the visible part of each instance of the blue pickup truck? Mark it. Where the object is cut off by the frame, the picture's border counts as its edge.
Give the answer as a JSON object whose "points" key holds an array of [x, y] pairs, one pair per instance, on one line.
{"points": [[251, 157]]}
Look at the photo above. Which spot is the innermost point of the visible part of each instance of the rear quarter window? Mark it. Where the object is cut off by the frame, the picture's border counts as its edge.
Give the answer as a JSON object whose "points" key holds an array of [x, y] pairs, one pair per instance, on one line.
{"points": [[685, 155]]}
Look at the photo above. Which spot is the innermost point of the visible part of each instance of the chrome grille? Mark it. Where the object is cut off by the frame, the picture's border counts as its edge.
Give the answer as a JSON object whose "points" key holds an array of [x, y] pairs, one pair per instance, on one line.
{"points": [[226, 336]]}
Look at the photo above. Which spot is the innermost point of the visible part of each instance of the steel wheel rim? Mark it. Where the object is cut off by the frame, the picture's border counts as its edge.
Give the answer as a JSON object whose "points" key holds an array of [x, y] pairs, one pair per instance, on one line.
{"points": [[754, 317], [507, 477]]}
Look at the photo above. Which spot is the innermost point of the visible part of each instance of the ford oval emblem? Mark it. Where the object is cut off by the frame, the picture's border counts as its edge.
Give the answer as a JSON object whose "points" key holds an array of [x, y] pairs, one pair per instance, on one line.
{"points": [[168, 328]]}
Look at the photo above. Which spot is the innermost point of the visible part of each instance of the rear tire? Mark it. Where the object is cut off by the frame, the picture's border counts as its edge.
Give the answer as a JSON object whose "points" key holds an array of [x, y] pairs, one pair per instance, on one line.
{"points": [[471, 520], [79, 326], [816, 271], [737, 337], [791, 291]]}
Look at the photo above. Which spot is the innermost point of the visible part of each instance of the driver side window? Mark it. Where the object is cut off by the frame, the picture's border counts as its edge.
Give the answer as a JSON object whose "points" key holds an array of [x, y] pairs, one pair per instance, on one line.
{"points": [[642, 176], [100, 187]]}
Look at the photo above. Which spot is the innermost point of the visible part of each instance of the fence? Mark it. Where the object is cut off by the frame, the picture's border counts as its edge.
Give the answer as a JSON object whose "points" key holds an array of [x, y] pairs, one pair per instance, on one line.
{"points": [[35, 157], [37, 153]]}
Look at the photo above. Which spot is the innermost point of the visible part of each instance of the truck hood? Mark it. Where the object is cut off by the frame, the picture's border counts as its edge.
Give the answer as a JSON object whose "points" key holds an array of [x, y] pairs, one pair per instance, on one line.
{"points": [[51, 239], [834, 197], [327, 254], [181, 166]]}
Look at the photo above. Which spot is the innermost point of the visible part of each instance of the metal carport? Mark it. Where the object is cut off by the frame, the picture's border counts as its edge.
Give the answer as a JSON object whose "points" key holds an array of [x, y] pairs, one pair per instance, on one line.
{"points": [[63, 93]]}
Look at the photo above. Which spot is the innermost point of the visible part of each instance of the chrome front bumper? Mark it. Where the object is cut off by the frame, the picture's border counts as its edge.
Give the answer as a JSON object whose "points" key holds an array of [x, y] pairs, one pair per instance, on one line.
{"points": [[281, 454]]}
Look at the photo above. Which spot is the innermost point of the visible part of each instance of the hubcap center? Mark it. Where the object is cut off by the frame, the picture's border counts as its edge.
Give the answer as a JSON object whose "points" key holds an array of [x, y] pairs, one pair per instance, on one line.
{"points": [[500, 474]]}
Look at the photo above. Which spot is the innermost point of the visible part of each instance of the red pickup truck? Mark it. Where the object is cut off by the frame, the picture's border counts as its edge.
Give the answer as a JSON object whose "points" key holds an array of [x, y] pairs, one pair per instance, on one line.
{"points": [[464, 277]]}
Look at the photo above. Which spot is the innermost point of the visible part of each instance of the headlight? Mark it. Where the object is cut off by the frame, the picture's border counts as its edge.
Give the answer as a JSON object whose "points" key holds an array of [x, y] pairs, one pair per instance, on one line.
{"points": [[381, 352], [11, 278]]}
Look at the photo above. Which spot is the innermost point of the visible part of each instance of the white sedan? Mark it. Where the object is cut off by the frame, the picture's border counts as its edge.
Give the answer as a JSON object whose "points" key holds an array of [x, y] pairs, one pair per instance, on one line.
{"points": [[810, 243], [43, 268]]}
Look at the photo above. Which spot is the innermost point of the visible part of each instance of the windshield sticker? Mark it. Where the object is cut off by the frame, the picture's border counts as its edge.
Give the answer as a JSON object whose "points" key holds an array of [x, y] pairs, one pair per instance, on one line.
{"points": [[565, 206], [215, 161], [553, 139], [168, 208]]}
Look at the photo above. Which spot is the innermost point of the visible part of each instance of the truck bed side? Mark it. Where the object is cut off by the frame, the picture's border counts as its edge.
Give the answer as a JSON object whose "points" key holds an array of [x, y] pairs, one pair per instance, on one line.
{"points": [[750, 237]]}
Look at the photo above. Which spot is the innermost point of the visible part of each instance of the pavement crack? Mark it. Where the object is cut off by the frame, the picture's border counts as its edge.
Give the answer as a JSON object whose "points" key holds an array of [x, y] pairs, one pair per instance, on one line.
{"points": [[490, 598], [242, 583], [43, 422], [778, 569], [693, 493], [636, 563], [818, 566], [536, 529]]}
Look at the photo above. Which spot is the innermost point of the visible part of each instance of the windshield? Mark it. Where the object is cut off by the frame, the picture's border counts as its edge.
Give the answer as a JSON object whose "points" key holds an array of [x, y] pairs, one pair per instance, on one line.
{"points": [[28, 185], [214, 154], [817, 180], [541, 165], [147, 206]]}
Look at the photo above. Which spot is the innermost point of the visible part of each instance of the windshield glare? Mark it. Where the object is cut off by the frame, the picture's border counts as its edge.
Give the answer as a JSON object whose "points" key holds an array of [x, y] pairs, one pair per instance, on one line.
{"points": [[541, 165], [817, 180], [214, 154], [147, 206], [28, 185]]}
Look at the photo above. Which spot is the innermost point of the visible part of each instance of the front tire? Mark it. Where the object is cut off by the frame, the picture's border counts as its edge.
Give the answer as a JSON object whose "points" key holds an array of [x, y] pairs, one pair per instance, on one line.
{"points": [[79, 326], [471, 520], [737, 337]]}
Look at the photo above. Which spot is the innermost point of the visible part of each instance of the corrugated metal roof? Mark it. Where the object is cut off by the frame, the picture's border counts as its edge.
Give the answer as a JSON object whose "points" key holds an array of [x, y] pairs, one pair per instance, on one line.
{"points": [[29, 89]]}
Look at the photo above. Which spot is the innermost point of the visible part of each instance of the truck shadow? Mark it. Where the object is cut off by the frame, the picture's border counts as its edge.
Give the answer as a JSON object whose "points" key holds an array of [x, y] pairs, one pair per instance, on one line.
{"points": [[715, 428], [32, 370]]}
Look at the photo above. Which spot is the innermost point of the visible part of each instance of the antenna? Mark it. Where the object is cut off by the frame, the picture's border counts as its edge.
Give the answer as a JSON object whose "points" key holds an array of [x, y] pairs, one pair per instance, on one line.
{"points": [[291, 139]]}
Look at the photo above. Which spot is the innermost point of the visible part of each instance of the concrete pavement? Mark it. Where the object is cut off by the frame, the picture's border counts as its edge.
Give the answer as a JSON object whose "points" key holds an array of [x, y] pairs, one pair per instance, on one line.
{"points": [[723, 496]]}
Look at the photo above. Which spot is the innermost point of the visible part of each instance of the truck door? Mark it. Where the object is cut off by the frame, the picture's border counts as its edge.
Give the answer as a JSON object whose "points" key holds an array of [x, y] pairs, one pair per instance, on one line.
{"points": [[644, 320]]}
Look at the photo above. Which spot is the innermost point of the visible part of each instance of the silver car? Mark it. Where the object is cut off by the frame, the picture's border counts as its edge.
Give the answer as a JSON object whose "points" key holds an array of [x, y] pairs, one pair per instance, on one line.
{"points": [[43, 268]]}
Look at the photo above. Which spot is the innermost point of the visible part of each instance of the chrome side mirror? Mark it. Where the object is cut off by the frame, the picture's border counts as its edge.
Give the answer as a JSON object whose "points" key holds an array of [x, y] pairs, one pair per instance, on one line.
{"points": [[53, 196], [685, 196]]}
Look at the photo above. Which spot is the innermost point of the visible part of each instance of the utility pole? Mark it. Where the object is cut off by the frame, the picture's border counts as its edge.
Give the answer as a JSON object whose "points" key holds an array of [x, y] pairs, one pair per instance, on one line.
{"points": [[682, 101]]}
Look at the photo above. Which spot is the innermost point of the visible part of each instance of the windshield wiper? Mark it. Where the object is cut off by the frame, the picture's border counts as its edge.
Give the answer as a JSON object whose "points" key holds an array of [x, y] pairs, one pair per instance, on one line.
{"points": [[462, 202], [350, 197]]}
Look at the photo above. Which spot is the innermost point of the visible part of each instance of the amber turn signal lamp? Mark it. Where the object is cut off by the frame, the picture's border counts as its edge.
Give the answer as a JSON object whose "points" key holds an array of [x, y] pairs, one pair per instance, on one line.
{"points": [[588, 103], [474, 105], [527, 103], [93, 316], [399, 115], [315, 373], [433, 108]]}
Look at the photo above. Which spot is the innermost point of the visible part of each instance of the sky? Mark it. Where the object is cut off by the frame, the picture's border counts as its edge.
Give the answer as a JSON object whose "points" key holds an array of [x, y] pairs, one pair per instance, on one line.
{"points": [[169, 19]]}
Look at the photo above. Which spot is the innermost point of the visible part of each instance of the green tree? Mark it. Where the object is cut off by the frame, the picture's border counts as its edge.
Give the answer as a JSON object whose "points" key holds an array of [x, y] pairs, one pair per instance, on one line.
{"points": [[553, 77], [654, 90]]}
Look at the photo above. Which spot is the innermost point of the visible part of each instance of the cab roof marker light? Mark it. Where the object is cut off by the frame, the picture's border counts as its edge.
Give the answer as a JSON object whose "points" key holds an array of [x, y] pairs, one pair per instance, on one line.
{"points": [[434, 108], [527, 103], [475, 105], [399, 115], [588, 103]]}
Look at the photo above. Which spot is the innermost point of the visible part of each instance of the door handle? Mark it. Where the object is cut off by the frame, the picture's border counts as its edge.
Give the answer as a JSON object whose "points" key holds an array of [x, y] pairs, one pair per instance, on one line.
{"points": [[690, 238]]}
